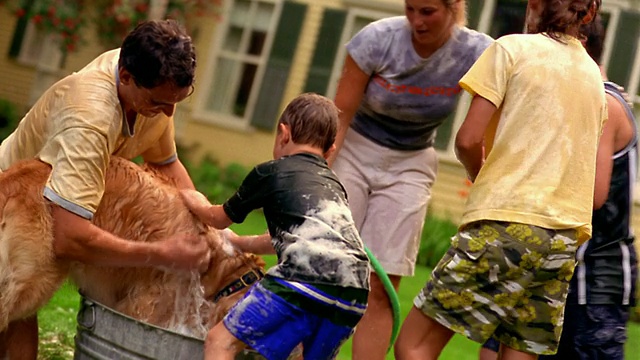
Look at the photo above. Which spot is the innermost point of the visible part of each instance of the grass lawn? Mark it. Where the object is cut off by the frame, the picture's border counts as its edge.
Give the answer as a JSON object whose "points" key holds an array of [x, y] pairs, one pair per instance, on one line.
{"points": [[58, 319]]}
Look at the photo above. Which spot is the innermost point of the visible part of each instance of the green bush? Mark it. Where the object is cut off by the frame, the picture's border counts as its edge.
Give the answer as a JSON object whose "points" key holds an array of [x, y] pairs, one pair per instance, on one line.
{"points": [[436, 238], [9, 118], [218, 183]]}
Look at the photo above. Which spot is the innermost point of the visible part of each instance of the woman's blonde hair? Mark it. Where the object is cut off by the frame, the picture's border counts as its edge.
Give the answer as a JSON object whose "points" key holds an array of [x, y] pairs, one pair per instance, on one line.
{"points": [[459, 10]]}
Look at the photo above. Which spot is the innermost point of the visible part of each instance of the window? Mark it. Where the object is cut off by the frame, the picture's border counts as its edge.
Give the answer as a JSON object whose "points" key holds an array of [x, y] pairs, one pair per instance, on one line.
{"points": [[356, 19], [34, 47], [234, 75], [250, 63]]}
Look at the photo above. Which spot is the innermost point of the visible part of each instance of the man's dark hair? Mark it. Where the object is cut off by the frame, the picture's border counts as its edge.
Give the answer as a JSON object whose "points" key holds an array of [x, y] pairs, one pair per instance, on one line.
{"points": [[157, 52], [593, 36]]}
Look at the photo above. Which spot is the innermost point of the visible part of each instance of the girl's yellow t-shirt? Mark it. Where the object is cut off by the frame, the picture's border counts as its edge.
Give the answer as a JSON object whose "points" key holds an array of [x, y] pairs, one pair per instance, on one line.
{"points": [[541, 144]]}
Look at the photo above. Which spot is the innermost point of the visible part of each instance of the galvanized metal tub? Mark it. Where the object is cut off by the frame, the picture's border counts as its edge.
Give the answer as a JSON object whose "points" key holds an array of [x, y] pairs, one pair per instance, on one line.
{"points": [[105, 334]]}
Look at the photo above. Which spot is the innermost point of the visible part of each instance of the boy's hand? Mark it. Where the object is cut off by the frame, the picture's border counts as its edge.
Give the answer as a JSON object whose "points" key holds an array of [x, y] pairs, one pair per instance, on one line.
{"points": [[196, 202]]}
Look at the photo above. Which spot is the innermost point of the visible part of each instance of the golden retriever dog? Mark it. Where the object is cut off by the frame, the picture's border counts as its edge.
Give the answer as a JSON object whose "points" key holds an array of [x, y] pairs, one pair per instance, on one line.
{"points": [[139, 205]]}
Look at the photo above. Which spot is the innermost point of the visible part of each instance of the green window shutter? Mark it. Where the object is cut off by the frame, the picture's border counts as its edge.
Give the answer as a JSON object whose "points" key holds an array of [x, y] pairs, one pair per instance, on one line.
{"points": [[624, 48], [18, 33], [266, 111], [325, 52], [474, 9]]}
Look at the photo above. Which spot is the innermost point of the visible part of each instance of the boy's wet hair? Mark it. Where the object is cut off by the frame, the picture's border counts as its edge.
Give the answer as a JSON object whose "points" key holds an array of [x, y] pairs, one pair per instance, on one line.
{"points": [[157, 52], [312, 120], [559, 15], [593, 36]]}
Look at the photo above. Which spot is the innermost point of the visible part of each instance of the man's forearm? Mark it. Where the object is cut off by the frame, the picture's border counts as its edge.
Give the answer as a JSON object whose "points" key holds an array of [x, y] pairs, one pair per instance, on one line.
{"points": [[176, 171], [78, 239]]}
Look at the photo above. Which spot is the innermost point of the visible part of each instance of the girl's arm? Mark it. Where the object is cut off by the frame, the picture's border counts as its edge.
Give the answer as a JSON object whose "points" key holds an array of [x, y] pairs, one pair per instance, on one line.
{"points": [[470, 137]]}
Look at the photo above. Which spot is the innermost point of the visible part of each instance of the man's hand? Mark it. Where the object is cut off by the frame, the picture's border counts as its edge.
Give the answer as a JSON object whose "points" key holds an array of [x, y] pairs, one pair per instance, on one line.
{"points": [[184, 252]]}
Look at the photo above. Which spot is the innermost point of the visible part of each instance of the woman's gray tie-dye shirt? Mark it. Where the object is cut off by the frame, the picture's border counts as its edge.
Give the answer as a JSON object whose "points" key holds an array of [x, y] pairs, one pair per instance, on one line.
{"points": [[408, 96], [309, 220]]}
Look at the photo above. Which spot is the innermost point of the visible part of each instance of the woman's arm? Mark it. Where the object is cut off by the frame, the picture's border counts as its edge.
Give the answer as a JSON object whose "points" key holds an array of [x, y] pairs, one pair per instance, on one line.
{"points": [[349, 94]]}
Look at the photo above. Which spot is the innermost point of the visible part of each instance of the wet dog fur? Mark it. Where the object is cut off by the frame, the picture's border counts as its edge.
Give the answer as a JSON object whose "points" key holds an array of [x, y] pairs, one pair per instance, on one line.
{"points": [[138, 205]]}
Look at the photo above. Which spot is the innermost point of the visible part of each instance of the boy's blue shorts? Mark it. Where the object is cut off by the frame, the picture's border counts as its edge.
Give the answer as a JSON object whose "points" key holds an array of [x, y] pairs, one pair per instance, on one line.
{"points": [[274, 327]]}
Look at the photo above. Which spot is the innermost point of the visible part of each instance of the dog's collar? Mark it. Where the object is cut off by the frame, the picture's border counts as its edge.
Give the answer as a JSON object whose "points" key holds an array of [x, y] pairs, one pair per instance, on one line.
{"points": [[249, 278]]}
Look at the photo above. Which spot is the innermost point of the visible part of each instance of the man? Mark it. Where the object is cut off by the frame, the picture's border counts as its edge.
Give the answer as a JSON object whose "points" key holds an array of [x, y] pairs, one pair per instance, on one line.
{"points": [[122, 103], [602, 289]]}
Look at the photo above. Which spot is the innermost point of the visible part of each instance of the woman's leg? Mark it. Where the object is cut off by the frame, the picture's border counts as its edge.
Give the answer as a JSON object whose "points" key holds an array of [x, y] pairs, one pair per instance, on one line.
{"points": [[373, 333]]}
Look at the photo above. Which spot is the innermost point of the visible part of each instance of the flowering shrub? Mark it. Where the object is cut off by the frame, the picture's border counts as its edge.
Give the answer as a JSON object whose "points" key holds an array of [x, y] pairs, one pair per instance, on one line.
{"points": [[60, 17], [113, 18], [121, 16]]}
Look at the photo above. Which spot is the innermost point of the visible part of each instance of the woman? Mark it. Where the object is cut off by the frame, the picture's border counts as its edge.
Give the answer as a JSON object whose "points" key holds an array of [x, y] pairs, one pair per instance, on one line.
{"points": [[529, 145], [399, 83]]}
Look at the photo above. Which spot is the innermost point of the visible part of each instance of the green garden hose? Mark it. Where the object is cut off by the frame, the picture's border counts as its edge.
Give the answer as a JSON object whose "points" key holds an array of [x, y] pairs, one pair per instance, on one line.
{"points": [[391, 293]]}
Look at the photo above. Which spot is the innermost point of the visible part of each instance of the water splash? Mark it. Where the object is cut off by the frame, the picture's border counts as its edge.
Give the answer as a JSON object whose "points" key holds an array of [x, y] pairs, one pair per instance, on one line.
{"points": [[191, 311]]}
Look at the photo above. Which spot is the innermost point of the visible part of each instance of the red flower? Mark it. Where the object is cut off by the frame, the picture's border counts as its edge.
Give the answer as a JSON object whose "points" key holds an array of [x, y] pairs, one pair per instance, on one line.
{"points": [[20, 12], [142, 8], [69, 24]]}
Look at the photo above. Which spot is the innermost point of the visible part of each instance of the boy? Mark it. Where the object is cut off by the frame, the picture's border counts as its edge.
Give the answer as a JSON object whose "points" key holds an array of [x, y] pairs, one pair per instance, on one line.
{"points": [[317, 292], [602, 290]]}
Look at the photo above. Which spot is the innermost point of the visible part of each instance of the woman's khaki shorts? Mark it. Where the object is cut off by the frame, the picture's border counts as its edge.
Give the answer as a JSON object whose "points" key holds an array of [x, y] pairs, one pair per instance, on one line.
{"points": [[508, 280], [388, 193]]}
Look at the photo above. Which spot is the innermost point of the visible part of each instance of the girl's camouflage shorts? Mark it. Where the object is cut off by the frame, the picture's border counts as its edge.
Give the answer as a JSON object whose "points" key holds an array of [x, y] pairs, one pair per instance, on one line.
{"points": [[506, 280]]}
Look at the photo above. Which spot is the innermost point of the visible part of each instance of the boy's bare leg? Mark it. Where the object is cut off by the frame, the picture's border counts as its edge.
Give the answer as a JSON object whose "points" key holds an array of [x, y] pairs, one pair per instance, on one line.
{"points": [[20, 340], [373, 333], [507, 353], [421, 337], [221, 344]]}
